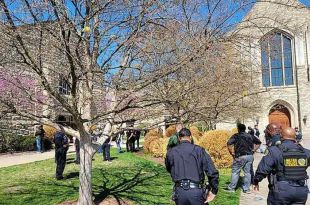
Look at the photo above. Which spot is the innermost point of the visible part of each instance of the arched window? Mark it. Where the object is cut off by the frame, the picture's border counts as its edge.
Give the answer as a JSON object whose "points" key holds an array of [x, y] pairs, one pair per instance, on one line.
{"points": [[277, 66]]}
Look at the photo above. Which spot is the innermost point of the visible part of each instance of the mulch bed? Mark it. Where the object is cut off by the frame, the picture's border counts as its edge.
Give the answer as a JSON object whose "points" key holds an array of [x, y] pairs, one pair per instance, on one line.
{"points": [[157, 160]]}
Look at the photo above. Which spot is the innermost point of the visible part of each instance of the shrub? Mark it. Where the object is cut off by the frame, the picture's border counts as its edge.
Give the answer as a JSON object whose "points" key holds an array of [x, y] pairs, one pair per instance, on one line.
{"points": [[234, 131], [215, 143], [171, 130], [49, 131], [11, 143], [195, 133], [150, 137]]}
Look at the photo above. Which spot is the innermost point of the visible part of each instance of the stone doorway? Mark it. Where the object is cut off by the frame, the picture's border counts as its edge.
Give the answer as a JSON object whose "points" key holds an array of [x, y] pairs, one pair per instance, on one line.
{"points": [[280, 114]]}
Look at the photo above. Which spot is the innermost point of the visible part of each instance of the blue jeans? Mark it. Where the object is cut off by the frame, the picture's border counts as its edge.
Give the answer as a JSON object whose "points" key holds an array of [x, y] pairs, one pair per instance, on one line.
{"points": [[243, 162], [119, 148], [38, 143]]}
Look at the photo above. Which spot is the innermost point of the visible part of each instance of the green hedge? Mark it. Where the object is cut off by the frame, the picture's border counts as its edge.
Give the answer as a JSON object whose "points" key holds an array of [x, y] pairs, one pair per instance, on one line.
{"points": [[18, 143]]}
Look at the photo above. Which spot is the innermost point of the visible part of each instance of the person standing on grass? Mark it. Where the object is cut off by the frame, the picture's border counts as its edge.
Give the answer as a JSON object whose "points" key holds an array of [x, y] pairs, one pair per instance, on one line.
{"points": [[242, 146], [188, 164], [106, 149], [61, 147], [118, 141], [137, 138], [39, 138]]}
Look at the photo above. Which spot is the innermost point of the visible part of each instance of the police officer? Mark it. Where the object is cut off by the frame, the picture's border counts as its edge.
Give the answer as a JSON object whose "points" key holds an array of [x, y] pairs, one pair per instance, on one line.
{"points": [[61, 148], [273, 134], [242, 146], [188, 163], [289, 161]]}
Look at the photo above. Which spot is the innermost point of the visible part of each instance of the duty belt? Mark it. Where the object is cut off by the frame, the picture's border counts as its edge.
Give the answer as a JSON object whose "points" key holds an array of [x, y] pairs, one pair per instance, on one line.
{"points": [[301, 182], [188, 184]]}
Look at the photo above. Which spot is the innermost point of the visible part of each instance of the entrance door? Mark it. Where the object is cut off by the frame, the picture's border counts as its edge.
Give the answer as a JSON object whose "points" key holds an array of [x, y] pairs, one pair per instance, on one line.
{"points": [[281, 115]]}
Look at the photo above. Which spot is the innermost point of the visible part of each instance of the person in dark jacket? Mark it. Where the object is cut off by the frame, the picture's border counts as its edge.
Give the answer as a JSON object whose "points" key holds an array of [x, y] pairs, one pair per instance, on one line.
{"points": [[256, 130], [288, 162], [188, 164], [106, 149], [242, 146], [137, 138], [129, 140], [40, 138], [61, 147], [251, 131]]}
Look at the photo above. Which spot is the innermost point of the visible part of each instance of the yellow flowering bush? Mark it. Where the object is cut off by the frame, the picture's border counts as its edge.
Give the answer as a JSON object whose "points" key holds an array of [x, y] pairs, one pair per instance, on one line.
{"points": [[171, 130], [150, 137], [195, 132], [214, 142], [49, 131]]}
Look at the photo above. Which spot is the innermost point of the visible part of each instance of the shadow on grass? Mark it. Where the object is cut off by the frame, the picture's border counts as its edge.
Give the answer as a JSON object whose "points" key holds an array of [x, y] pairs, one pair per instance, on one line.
{"points": [[124, 189], [128, 179], [72, 175]]}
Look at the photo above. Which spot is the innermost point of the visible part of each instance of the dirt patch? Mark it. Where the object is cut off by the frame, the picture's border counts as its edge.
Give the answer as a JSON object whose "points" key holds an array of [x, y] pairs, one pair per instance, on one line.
{"points": [[157, 160], [107, 201], [13, 189]]}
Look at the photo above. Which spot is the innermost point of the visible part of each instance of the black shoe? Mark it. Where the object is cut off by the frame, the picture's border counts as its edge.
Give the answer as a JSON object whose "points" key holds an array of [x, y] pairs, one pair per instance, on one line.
{"points": [[59, 178]]}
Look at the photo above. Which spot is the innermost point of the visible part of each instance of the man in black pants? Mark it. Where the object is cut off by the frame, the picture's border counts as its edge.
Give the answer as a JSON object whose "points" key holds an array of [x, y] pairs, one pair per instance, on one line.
{"points": [[61, 148], [188, 164], [106, 150], [137, 138]]}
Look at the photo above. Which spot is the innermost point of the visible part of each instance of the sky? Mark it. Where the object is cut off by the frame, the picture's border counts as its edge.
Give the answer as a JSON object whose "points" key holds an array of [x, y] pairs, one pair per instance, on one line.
{"points": [[305, 2]]}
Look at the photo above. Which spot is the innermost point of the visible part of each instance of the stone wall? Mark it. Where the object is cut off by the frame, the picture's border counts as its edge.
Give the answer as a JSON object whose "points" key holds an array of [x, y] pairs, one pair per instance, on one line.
{"points": [[289, 17]]}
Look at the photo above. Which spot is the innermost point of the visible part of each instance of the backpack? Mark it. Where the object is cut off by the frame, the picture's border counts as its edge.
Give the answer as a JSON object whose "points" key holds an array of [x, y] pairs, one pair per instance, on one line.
{"points": [[59, 139]]}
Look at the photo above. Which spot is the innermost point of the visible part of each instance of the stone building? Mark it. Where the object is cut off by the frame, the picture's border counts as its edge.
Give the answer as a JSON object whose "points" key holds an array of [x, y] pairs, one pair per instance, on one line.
{"points": [[277, 42], [21, 86]]}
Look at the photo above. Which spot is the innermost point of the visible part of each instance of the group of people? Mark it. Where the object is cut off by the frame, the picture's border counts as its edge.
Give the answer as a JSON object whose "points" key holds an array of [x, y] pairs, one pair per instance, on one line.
{"points": [[62, 145], [284, 163]]}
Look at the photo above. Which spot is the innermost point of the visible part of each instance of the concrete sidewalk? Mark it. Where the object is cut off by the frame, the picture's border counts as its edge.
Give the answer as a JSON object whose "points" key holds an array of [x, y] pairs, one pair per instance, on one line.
{"points": [[7, 160], [256, 198]]}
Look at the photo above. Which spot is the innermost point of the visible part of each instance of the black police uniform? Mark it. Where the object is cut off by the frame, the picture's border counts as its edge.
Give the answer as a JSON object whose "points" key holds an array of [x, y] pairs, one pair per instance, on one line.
{"points": [[60, 140], [188, 163], [289, 162]]}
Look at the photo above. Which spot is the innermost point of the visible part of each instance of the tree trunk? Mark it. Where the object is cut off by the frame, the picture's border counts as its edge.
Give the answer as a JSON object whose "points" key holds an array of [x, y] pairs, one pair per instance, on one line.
{"points": [[86, 154]]}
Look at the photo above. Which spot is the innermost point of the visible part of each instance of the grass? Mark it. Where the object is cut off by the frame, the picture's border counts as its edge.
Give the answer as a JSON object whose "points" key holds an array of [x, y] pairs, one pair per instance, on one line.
{"points": [[128, 177]]}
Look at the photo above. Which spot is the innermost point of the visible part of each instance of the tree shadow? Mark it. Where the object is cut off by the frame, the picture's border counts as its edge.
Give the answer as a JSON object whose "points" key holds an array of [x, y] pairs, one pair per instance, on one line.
{"points": [[133, 187], [141, 183], [72, 175]]}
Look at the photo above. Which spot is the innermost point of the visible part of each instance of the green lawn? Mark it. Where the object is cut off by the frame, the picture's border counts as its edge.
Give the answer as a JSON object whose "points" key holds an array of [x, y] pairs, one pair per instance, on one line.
{"points": [[128, 177]]}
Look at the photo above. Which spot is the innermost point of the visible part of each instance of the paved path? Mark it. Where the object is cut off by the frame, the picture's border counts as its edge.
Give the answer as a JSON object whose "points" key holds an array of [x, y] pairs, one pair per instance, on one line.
{"points": [[256, 198], [7, 160]]}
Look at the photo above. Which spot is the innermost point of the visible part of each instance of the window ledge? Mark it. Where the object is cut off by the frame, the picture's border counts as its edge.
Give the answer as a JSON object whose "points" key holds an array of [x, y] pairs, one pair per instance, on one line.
{"points": [[278, 87]]}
